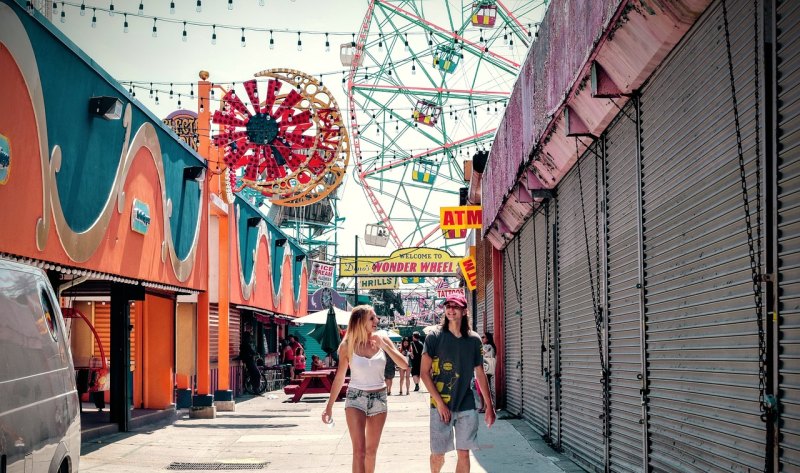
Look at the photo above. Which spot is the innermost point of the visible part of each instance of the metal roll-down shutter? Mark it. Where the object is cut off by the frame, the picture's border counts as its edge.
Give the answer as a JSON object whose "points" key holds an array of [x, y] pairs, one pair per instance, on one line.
{"points": [[581, 368], [788, 53], [536, 321], [702, 343], [626, 441], [512, 316]]}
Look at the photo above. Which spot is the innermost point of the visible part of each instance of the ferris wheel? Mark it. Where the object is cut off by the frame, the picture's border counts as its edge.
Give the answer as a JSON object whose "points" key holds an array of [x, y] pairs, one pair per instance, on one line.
{"points": [[427, 87]]}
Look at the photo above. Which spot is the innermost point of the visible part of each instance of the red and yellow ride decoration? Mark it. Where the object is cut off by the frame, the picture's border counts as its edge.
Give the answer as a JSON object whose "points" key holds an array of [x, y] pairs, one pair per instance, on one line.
{"points": [[290, 145]]}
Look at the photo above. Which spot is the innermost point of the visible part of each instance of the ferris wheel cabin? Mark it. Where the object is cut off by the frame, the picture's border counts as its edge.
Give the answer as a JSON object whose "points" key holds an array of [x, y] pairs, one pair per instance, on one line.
{"points": [[425, 171], [484, 14], [427, 113], [376, 234], [446, 58], [347, 52]]}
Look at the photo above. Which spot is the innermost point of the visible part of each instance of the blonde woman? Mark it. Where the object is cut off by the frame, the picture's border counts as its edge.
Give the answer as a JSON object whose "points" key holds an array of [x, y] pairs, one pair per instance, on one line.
{"points": [[364, 352]]}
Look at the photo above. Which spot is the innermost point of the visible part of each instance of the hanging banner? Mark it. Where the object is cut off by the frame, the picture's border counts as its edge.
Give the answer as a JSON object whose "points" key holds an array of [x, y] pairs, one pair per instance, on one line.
{"points": [[470, 271], [444, 293], [460, 218], [321, 274], [402, 262], [378, 283]]}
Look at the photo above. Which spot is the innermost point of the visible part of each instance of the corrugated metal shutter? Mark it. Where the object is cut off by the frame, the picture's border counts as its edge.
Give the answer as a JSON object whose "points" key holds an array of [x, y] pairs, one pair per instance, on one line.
{"points": [[702, 355], [489, 281], [102, 324], [512, 318], [528, 327], [624, 312], [536, 311], [789, 229], [234, 332], [581, 372], [213, 332]]}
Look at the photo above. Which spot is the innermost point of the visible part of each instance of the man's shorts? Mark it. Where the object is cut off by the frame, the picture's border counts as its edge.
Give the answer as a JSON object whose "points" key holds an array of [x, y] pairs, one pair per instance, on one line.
{"points": [[465, 424], [369, 402]]}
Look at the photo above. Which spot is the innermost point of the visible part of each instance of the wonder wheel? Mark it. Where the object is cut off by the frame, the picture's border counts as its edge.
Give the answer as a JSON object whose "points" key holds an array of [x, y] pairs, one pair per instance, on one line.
{"points": [[290, 144], [428, 85]]}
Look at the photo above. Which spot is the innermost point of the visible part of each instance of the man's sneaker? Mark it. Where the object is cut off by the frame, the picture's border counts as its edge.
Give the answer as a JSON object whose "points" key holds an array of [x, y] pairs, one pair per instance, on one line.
{"points": [[416, 387]]}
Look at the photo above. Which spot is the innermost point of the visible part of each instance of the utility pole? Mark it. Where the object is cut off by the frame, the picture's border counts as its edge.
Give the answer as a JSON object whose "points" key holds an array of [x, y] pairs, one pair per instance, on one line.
{"points": [[355, 302]]}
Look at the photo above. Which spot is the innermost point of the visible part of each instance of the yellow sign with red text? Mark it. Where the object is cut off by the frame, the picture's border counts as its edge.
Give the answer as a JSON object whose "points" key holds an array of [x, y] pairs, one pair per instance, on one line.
{"points": [[470, 270], [460, 218]]}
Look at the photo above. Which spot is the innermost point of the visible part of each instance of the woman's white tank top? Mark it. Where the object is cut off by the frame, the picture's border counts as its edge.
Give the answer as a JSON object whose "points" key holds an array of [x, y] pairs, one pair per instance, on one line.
{"points": [[366, 374]]}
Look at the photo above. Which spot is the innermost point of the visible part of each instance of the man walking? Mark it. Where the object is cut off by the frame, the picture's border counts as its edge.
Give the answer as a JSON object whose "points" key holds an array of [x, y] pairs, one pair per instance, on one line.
{"points": [[416, 358], [451, 357]]}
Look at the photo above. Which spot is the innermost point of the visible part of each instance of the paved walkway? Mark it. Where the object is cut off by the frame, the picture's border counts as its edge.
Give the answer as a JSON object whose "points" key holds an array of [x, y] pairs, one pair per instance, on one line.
{"points": [[291, 438]]}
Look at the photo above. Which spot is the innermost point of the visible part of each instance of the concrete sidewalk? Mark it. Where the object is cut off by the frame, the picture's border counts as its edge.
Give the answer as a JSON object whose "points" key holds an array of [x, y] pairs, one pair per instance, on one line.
{"points": [[290, 437]]}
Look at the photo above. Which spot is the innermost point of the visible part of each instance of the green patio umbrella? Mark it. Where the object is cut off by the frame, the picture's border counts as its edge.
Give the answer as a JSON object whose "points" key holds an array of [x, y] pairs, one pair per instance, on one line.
{"points": [[329, 337]]}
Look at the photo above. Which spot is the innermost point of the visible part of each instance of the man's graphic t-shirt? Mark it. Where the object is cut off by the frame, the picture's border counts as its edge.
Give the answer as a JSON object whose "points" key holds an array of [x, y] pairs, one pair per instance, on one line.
{"points": [[454, 361]]}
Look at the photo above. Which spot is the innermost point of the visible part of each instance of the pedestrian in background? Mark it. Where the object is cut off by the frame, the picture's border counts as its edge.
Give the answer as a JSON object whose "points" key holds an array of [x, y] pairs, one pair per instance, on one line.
{"points": [[416, 358], [364, 352], [451, 357], [405, 377]]}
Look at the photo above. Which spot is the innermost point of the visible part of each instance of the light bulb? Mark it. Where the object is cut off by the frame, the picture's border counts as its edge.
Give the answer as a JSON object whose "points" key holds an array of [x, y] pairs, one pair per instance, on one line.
{"points": [[327, 47], [171, 8], [83, 9], [230, 4], [199, 6], [141, 8], [63, 16], [125, 25], [111, 9], [413, 70]]}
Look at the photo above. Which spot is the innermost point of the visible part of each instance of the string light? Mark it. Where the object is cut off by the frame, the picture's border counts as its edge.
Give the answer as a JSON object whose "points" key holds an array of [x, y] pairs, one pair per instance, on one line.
{"points": [[125, 24], [172, 8], [213, 32], [94, 18], [141, 7], [170, 90], [299, 42], [111, 9], [380, 41], [29, 7], [244, 42], [199, 6], [271, 40], [327, 44], [155, 29], [230, 4], [151, 90], [83, 8], [179, 100], [184, 37], [408, 48]]}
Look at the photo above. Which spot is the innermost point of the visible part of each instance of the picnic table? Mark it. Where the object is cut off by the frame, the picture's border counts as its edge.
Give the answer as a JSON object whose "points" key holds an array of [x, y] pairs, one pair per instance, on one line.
{"points": [[314, 382]]}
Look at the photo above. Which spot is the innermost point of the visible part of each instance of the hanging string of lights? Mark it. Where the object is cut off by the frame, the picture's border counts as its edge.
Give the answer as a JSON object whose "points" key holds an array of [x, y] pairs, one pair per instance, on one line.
{"points": [[177, 90], [60, 8]]}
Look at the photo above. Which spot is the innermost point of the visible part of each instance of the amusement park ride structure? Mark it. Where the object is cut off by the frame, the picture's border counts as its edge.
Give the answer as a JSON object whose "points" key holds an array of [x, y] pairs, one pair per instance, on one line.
{"points": [[428, 84]]}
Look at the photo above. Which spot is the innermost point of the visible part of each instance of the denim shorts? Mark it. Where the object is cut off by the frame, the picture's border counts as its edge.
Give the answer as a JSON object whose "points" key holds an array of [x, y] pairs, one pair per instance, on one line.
{"points": [[465, 425], [369, 402]]}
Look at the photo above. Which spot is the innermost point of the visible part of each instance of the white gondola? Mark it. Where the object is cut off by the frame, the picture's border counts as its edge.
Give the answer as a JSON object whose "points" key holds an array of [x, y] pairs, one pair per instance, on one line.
{"points": [[347, 51], [376, 234]]}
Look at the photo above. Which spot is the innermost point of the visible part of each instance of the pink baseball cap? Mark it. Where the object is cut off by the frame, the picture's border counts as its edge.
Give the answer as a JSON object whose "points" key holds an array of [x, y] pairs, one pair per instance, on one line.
{"points": [[456, 298]]}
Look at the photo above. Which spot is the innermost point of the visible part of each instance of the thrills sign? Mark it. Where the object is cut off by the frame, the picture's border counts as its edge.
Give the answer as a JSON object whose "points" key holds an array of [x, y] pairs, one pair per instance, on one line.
{"points": [[402, 262], [460, 218], [470, 270]]}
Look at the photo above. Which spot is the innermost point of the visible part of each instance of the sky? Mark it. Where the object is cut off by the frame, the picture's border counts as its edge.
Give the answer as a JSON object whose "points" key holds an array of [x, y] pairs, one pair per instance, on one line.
{"points": [[140, 56]]}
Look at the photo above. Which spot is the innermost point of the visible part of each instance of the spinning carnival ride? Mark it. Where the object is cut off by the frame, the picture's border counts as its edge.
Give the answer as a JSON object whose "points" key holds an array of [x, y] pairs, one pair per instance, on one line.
{"points": [[291, 146], [427, 87]]}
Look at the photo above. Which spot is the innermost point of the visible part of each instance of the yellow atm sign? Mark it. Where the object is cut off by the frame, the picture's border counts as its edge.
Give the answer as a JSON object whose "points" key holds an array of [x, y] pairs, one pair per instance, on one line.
{"points": [[460, 218]]}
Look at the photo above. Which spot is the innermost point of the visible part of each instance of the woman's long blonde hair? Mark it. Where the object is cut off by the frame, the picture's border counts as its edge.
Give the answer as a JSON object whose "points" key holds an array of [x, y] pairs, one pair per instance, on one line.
{"points": [[357, 331]]}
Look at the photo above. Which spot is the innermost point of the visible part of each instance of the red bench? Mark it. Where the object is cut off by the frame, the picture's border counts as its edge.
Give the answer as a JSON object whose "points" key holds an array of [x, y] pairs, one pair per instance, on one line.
{"points": [[291, 390]]}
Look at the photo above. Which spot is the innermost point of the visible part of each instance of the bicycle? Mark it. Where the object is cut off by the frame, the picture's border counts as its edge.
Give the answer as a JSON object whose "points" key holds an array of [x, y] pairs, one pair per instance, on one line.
{"points": [[247, 383]]}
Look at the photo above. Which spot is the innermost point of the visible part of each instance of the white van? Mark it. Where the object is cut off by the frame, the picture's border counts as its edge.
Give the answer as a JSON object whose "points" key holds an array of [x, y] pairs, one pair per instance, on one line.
{"points": [[40, 424]]}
